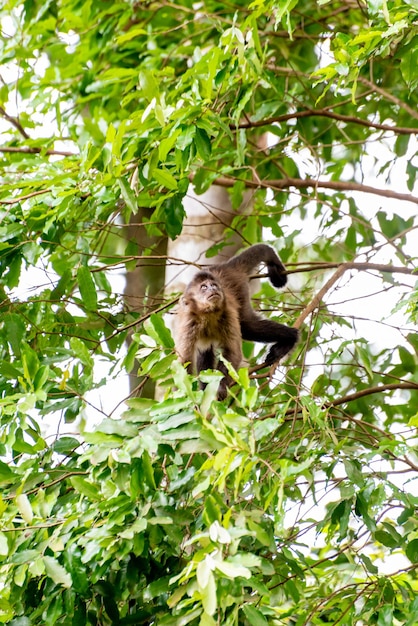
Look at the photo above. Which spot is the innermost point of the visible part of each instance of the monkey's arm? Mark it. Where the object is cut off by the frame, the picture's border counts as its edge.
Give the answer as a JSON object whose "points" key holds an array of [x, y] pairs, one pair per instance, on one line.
{"points": [[251, 258], [282, 337], [185, 340], [186, 355]]}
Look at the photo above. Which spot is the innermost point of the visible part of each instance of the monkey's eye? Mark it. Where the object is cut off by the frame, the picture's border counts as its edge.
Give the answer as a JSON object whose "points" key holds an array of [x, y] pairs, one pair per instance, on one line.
{"points": [[203, 287]]}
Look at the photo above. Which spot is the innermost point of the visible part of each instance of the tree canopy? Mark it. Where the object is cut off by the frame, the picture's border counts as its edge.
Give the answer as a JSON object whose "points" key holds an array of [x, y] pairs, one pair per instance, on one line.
{"points": [[293, 502]]}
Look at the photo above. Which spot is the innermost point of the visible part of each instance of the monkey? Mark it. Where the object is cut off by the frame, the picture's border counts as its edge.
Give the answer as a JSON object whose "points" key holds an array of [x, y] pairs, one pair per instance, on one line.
{"points": [[215, 312]]}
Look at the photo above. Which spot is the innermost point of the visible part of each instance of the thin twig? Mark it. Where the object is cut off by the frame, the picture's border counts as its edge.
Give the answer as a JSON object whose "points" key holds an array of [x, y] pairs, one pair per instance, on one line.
{"points": [[370, 391], [14, 122], [412, 112], [316, 301], [33, 150], [27, 197], [379, 267], [347, 119]]}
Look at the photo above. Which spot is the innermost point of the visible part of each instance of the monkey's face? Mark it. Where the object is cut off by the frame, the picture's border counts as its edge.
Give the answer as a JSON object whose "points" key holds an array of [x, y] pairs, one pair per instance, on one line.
{"points": [[204, 295], [210, 295]]}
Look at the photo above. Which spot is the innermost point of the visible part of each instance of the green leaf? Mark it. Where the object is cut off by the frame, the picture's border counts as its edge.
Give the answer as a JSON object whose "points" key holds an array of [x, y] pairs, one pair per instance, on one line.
{"points": [[77, 569], [148, 84], [8, 371], [4, 546], [203, 143], [24, 556], [87, 288], [351, 239], [57, 572], [411, 551], [186, 137], [173, 214], [368, 564], [85, 488], [66, 445], [111, 609], [231, 570], [10, 231], [208, 593], [408, 360], [63, 286], [354, 473], [162, 334], [30, 363], [41, 377], [254, 616], [212, 511], [24, 507], [204, 573], [133, 32], [408, 65], [164, 178], [128, 195], [167, 144], [207, 620], [385, 616], [81, 351], [13, 274], [412, 613], [147, 471], [15, 331], [385, 538]]}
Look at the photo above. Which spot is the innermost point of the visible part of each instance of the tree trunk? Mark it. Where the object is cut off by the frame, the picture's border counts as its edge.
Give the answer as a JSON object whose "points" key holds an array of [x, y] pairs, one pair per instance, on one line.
{"points": [[144, 290]]}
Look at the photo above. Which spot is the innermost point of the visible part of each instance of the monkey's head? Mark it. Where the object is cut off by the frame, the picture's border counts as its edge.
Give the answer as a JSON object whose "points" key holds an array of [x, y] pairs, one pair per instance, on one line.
{"points": [[204, 294]]}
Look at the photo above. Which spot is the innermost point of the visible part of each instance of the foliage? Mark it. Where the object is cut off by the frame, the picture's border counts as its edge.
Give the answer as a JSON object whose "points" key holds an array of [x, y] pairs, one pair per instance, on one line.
{"points": [[293, 502]]}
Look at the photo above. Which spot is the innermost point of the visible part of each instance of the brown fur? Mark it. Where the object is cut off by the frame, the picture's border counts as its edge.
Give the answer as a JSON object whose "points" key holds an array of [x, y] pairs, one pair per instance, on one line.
{"points": [[215, 313]]}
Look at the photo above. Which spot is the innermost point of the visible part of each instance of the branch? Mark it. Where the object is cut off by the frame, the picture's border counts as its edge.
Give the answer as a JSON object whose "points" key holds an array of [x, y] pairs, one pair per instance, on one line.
{"points": [[341, 268], [348, 119], [29, 195], [371, 390], [285, 183], [27, 150], [316, 301], [14, 122], [412, 112], [142, 319], [349, 265]]}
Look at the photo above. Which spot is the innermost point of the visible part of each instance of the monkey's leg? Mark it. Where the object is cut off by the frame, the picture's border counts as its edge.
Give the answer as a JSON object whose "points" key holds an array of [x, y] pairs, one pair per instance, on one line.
{"points": [[225, 382], [282, 337], [205, 360], [233, 354]]}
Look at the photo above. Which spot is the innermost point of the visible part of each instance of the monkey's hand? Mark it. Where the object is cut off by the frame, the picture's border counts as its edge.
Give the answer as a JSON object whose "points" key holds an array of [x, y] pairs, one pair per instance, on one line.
{"points": [[279, 350]]}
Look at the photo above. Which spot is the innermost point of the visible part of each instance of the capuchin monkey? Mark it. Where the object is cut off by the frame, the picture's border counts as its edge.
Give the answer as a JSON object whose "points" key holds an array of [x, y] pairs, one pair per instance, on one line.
{"points": [[215, 313]]}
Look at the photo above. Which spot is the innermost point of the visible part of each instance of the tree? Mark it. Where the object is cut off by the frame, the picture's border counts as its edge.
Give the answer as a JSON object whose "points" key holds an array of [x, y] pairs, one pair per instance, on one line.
{"points": [[292, 502]]}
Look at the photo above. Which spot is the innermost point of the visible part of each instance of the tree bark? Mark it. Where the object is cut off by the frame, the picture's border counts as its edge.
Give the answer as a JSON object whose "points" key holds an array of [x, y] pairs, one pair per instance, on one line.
{"points": [[144, 290]]}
